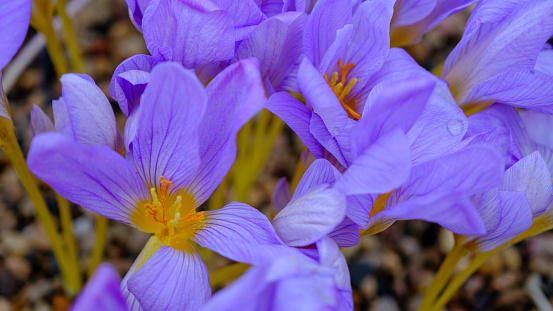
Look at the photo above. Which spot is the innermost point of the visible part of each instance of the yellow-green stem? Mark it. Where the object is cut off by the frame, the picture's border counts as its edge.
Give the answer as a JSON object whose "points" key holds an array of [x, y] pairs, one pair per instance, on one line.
{"points": [[8, 143], [72, 256], [443, 275], [53, 45], [70, 38], [541, 224], [228, 273], [218, 198], [100, 241]]}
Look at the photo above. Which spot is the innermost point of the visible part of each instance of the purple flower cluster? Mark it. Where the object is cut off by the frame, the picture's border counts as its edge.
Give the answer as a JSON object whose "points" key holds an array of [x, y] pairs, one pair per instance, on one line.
{"points": [[386, 140]]}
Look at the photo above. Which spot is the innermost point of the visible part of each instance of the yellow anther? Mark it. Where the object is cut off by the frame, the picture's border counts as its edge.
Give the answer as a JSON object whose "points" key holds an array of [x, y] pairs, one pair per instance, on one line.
{"points": [[334, 78], [347, 89], [155, 200], [337, 88]]}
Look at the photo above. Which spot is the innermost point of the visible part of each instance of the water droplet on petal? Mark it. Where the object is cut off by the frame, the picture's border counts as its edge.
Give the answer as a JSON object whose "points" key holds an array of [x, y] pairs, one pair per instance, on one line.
{"points": [[455, 127]]}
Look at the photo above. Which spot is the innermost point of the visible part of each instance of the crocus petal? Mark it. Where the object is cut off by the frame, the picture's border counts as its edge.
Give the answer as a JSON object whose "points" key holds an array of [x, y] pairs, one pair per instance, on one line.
{"points": [[319, 172], [332, 143], [171, 32], [498, 139], [244, 12], [331, 256], [297, 116], [101, 292], [14, 22], [346, 233], [278, 56], [408, 12], [282, 194], [234, 96], [531, 176], [129, 81], [370, 42], [452, 211], [516, 32], [90, 113], [161, 135], [97, 178], [40, 122], [321, 98], [241, 233], [171, 280], [310, 216], [512, 216], [136, 11], [382, 167], [359, 208], [392, 104], [320, 32]]}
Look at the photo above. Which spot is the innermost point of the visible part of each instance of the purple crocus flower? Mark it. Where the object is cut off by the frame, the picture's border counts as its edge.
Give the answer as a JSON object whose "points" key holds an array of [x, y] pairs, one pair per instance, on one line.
{"points": [[101, 292], [496, 60], [82, 114], [296, 282], [175, 158], [413, 18]]}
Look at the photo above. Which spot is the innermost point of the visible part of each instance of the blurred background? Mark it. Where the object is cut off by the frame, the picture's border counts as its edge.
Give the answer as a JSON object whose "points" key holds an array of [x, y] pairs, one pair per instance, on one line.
{"points": [[389, 271]]}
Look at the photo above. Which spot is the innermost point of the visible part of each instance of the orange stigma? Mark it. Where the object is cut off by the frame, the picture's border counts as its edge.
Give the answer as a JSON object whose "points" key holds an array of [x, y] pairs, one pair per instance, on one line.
{"points": [[341, 89]]}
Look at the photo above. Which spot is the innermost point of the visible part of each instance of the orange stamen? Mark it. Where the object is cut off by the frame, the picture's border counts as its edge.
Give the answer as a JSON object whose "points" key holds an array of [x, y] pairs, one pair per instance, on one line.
{"points": [[341, 89]]}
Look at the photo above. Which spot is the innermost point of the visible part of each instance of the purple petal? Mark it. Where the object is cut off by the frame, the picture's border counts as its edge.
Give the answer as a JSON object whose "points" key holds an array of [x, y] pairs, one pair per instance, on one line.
{"points": [[320, 32], [40, 122], [346, 233], [498, 139], [129, 81], [338, 146], [241, 233], [311, 216], [359, 208], [171, 32], [234, 96], [321, 98], [171, 280], [319, 172], [382, 167], [452, 211], [275, 43], [97, 178], [531, 176], [101, 292], [282, 194], [407, 12], [499, 36], [510, 215], [297, 116], [243, 12], [14, 22], [392, 104], [136, 11], [331, 256], [90, 114], [161, 135]]}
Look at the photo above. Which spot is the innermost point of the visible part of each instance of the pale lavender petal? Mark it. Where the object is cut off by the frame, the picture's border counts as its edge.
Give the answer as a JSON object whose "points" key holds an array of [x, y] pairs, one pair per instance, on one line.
{"points": [[161, 136], [297, 116], [101, 292], [346, 233], [544, 63], [311, 216], [331, 256], [336, 51], [233, 97], [96, 178], [129, 81], [319, 172], [243, 12], [321, 98], [14, 22], [380, 168], [282, 194], [241, 233], [275, 44], [326, 18], [407, 12], [40, 122], [171, 31], [330, 143], [136, 11], [171, 280], [531, 176], [359, 208], [512, 216], [89, 111]]}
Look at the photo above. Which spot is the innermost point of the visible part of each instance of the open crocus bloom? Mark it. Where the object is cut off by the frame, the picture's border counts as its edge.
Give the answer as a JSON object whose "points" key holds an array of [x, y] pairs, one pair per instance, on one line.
{"points": [[175, 158]]}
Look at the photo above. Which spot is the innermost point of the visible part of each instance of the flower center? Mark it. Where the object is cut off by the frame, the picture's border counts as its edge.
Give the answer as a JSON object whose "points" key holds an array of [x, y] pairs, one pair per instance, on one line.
{"points": [[172, 217], [341, 89]]}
